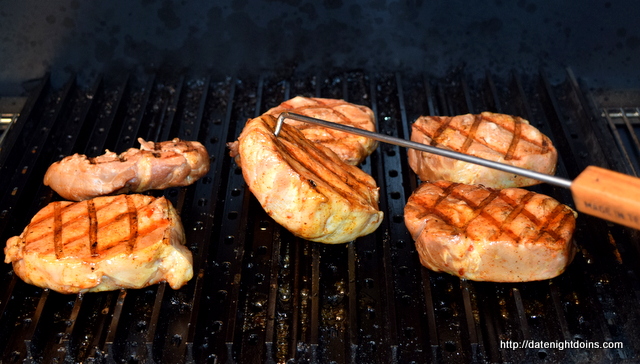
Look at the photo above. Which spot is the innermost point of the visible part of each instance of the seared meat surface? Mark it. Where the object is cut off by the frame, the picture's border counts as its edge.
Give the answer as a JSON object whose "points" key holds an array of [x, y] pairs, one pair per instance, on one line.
{"points": [[152, 167], [304, 186], [484, 234], [106, 243], [351, 148], [497, 137]]}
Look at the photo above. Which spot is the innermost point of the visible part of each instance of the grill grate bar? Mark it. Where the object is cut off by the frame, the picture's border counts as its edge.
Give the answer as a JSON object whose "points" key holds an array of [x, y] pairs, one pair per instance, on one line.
{"points": [[618, 138], [314, 313], [388, 293], [113, 325], [30, 336], [620, 113], [270, 331], [432, 325], [632, 132], [352, 308]]}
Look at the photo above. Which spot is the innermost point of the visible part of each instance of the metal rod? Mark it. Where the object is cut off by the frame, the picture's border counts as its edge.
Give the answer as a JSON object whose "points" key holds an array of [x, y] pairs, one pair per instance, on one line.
{"points": [[557, 181]]}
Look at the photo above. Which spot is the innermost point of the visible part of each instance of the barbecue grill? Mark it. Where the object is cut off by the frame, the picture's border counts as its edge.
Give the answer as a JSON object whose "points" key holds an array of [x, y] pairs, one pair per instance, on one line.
{"points": [[261, 295]]}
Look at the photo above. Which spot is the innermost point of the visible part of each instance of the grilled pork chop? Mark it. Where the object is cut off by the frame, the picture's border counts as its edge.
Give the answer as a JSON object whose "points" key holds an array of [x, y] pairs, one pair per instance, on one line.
{"points": [[351, 148], [107, 243], [485, 234], [154, 166], [498, 137], [304, 186]]}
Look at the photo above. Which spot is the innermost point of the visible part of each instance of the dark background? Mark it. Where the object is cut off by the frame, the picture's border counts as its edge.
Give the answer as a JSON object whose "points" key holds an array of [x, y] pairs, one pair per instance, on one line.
{"points": [[599, 40]]}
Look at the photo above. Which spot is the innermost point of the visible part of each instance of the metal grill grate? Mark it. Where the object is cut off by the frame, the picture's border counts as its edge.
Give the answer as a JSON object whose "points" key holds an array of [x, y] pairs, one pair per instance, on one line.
{"points": [[624, 124], [261, 295]]}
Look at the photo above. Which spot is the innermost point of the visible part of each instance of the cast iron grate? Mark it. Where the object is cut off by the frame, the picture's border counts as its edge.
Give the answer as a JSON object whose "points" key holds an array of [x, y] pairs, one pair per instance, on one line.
{"points": [[262, 295]]}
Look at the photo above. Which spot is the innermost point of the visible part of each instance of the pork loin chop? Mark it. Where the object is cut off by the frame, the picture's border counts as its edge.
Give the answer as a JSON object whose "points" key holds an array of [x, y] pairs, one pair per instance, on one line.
{"points": [[154, 166], [106, 243], [304, 186], [485, 234], [497, 137]]}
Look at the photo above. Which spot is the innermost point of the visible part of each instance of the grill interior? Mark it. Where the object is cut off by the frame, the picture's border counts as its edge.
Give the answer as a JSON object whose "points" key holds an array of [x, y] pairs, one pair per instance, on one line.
{"points": [[261, 295]]}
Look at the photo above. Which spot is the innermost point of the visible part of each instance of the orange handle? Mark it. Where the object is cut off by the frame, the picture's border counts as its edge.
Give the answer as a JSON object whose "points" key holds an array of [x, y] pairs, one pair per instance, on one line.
{"points": [[610, 195]]}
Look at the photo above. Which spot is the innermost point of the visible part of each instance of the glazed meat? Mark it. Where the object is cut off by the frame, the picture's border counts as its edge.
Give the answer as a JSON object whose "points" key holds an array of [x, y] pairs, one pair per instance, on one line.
{"points": [[484, 234], [107, 243], [351, 148], [304, 186], [497, 137], [154, 166]]}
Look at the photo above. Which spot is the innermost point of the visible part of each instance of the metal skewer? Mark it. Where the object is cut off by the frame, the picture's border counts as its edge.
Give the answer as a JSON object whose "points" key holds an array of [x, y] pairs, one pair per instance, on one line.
{"points": [[558, 181]]}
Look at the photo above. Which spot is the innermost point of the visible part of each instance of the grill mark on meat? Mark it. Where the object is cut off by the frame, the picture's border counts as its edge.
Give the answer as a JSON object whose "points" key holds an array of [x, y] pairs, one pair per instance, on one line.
{"points": [[543, 146], [518, 208], [479, 208], [567, 216], [57, 230], [340, 115], [472, 133], [351, 148], [105, 246], [93, 229], [56, 215], [443, 126], [62, 210], [316, 166], [133, 224], [517, 134], [515, 212], [320, 105], [319, 166], [432, 210], [544, 226], [518, 124], [332, 133]]}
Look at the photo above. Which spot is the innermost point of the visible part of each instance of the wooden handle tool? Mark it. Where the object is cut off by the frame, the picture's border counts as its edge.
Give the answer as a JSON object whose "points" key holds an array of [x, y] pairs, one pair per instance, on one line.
{"points": [[600, 192], [607, 194]]}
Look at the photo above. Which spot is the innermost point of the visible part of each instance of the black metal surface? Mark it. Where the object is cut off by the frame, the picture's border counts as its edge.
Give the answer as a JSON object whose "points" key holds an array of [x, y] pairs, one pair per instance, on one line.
{"points": [[261, 295], [597, 38]]}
